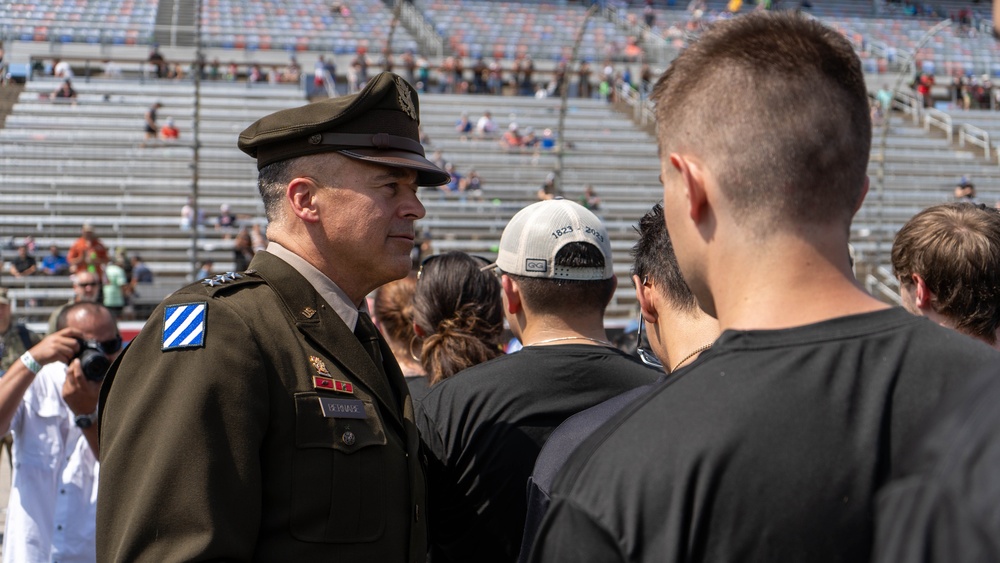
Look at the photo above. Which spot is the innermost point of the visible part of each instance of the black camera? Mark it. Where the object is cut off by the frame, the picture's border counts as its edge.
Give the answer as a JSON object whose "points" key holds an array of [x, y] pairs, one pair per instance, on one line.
{"points": [[92, 360]]}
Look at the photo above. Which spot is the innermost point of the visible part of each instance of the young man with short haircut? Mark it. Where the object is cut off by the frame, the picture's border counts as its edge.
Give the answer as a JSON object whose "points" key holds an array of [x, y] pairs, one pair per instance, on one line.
{"points": [[772, 446]]}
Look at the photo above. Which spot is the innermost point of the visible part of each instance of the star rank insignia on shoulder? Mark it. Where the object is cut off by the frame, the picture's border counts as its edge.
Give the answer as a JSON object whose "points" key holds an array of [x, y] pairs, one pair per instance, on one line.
{"points": [[221, 279]]}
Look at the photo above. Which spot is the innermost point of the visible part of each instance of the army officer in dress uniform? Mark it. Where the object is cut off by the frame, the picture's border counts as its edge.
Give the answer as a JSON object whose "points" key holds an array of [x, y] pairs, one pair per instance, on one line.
{"points": [[259, 415]]}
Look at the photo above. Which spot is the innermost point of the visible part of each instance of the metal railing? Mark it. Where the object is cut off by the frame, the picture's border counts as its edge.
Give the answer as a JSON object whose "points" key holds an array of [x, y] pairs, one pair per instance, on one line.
{"points": [[883, 284], [417, 25], [975, 136], [941, 120]]}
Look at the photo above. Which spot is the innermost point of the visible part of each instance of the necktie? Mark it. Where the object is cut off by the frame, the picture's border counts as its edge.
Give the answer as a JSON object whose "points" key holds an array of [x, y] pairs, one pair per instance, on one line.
{"points": [[368, 336]]}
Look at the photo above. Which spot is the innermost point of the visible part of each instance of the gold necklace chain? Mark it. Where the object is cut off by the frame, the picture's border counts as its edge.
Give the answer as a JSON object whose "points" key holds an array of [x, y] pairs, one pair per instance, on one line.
{"points": [[691, 355], [562, 338]]}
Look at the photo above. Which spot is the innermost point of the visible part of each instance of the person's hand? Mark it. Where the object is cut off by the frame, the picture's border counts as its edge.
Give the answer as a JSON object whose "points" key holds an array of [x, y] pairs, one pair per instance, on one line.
{"points": [[80, 393], [57, 347]]}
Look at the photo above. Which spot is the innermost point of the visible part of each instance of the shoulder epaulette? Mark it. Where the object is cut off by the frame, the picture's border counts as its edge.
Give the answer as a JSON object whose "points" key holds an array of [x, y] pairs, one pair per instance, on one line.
{"points": [[229, 281]]}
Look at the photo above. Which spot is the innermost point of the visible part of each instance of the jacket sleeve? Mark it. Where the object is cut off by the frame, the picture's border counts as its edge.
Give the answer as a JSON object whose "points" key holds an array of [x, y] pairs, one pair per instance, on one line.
{"points": [[181, 432]]}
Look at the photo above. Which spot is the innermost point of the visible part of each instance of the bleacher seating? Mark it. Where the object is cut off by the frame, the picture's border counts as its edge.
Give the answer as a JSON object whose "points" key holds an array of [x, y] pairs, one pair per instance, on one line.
{"points": [[122, 22]]}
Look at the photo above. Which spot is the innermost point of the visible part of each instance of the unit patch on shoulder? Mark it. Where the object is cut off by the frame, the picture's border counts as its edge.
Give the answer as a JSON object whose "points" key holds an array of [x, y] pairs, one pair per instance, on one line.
{"points": [[184, 326]]}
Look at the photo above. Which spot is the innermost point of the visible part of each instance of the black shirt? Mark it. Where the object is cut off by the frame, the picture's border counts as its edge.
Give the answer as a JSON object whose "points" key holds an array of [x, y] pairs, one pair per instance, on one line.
{"points": [[770, 449], [942, 505], [484, 427]]}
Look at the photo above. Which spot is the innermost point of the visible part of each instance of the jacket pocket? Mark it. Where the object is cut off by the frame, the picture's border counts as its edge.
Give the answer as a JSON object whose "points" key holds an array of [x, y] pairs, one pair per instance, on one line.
{"points": [[338, 474]]}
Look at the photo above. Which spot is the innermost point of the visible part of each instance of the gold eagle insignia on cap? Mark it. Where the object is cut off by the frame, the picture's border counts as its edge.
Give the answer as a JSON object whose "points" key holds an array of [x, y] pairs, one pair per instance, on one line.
{"points": [[405, 101]]}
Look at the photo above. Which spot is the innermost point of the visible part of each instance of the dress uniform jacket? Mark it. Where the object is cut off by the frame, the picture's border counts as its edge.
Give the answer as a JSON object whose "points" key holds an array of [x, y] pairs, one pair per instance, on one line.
{"points": [[216, 445]]}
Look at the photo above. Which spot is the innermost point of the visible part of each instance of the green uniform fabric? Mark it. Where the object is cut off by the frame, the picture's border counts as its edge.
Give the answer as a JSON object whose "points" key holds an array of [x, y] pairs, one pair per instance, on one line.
{"points": [[223, 451], [13, 344]]}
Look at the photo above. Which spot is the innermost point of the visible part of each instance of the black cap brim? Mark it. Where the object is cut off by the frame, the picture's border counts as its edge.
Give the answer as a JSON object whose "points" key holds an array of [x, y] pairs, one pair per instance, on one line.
{"points": [[427, 173]]}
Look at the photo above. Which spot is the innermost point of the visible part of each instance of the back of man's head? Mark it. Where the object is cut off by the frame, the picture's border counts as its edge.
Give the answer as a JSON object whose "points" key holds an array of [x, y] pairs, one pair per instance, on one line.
{"points": [[776, 105], [955, 249], [654, 259], [560, 254]]}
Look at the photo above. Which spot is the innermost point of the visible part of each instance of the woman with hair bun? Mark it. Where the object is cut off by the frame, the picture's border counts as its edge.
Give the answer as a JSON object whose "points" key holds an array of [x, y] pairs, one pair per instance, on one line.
{"points": [[457, 314]]}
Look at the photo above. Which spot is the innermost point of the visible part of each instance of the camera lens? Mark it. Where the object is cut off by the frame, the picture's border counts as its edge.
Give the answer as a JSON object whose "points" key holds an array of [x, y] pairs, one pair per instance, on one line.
{"points": [[94, 364]]}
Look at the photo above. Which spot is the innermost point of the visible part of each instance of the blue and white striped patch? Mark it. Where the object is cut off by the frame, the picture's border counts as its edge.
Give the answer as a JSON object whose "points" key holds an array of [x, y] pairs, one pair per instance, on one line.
{"points": [[184, 326]]}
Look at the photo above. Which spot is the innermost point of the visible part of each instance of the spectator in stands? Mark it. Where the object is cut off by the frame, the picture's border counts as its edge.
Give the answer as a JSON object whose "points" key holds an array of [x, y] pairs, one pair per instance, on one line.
{"points": [[151, 127], [159, 63], [393, 314], [484, 426], [86, 289], [486, 127], [817, 381], [965, 190], [529, 140], [463, 126], [583, 79], [258, 241], [169, 132], [457, 314], [255, 74], [24, 264], [87, 253], [512, 139], [205, 270], [111, 69], [116, 286], [457, 182], [141, 274], [360, 64], [242, 250], [226, 221], [54, 264], [473, 186], [188, 215], [292, 71], [15, 338], [549, 189], [64, 92], [947, 260], [548, 141], [49, 400], [590, 199], [61, 69]]}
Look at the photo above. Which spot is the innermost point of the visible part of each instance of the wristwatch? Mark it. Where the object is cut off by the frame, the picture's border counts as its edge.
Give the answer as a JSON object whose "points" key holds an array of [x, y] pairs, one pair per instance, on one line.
{"points": [[85, 420]]}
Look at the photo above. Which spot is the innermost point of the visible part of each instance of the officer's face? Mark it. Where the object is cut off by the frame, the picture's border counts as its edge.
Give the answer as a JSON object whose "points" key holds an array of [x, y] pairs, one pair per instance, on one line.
{"points": [[367, 215]]}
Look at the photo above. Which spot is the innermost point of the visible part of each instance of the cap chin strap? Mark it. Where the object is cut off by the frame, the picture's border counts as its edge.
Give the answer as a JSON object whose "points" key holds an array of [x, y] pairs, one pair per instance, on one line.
{"points": [[382, 141]]}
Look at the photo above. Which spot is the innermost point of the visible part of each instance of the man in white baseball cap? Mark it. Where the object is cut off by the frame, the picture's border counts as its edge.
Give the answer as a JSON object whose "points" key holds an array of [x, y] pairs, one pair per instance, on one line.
{"points": [[484, 427]]}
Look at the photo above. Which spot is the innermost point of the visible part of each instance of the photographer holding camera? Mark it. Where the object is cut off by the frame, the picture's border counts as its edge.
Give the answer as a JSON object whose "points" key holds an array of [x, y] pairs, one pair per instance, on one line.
{"points": [[49, 399]]}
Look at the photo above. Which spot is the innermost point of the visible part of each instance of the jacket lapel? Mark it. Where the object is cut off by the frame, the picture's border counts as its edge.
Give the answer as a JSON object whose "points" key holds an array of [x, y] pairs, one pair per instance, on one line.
{"points": [[321, 325]]}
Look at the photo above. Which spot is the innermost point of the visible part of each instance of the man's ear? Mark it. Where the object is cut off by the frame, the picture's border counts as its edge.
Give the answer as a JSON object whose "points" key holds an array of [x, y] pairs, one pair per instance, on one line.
{"points": [[301, 196], [512, 294], [862, 195], [644, 293], [693, 178], [924, 298]]}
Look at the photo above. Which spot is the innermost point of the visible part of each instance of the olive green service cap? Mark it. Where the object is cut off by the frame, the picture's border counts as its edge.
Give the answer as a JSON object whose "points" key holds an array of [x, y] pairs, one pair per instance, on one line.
{"points": [[378, 124]]}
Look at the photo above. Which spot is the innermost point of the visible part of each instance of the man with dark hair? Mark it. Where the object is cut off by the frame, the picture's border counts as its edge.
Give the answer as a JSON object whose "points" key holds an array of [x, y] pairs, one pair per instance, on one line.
{"points": [[679, 332], [770, 447], [484, 426], [947, 259], [48, 399], [304, 447]]}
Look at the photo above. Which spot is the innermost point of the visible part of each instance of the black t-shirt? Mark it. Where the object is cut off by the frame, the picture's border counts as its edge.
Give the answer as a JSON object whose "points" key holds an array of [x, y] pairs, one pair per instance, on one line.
{"points": [[770, 449], [23, 264], [483, 429], [942, 505]]}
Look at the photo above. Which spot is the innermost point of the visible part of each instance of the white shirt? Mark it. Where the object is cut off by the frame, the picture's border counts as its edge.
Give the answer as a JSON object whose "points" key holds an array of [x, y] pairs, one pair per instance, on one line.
{"points": [[51, 515], [62, 70]]}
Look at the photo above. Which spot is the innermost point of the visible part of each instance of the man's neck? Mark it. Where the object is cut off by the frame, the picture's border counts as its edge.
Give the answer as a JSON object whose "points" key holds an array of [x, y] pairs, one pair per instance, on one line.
{"points": [[554, 330], [785, 283]]}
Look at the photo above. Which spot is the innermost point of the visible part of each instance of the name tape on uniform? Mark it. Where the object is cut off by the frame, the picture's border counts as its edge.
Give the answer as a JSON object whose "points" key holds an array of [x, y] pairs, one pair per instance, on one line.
{"points": [[342, 408], [184, 326]]}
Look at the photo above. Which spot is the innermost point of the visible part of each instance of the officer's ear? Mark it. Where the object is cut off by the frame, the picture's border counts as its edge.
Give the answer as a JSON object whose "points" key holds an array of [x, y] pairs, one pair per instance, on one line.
{"points": [[301, 195]]}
